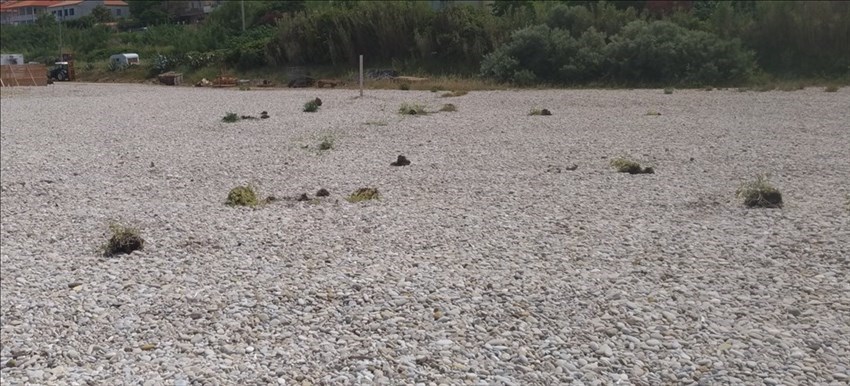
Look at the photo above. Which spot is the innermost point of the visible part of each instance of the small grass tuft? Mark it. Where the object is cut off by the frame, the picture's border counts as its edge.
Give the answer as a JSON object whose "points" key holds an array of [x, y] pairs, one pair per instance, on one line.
{"points": [[791, 87], [435, 88], [412, 109], [448, 107], [363, 194], [653, 113], [377, 123], [668, 91], [708, 88], [242, 196], [230, 118], [124, 240], [624, 165], [540, 112], [326, 144], [847, 202], [759, 193], [404, 86], [455, 93], [766, 87], [831, 89], [311, 107]]}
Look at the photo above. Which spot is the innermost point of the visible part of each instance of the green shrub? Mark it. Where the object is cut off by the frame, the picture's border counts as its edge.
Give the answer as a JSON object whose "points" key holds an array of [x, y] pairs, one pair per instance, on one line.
{"points": [[668, 91], [242, 196], [642, 52], [363, 194], [124, 240], [404, 87], [412, 109], [230, 118], [624, 165], [831, 89], [759, 193], [311, 107], [661, 51]]}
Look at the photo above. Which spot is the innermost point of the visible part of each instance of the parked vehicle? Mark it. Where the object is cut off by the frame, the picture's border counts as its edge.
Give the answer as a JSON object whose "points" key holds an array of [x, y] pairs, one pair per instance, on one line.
{"points": [[59, 72], [124, 60]]}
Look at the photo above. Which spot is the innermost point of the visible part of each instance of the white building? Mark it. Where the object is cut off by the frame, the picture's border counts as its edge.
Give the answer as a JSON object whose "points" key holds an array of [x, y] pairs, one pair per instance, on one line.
{"points": [[28, 11]]}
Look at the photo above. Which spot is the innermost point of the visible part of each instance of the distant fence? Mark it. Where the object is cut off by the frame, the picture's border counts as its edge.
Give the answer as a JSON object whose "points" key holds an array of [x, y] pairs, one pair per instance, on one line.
{"points": [[23, 75]]}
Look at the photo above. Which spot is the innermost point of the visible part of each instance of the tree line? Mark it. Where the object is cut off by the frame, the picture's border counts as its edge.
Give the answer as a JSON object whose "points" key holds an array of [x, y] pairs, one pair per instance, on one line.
{"points": [[521, 42]]}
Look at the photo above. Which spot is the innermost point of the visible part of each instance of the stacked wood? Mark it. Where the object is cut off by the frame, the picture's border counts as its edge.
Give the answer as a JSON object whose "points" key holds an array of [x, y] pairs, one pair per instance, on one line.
{"points": [[329, 82], [225, 81], [408, 79]]}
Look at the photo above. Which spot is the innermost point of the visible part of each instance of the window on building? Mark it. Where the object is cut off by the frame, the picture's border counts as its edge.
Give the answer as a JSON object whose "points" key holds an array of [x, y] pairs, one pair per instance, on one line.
{"points": [[72, 11], [66, 12], [118, 12]]}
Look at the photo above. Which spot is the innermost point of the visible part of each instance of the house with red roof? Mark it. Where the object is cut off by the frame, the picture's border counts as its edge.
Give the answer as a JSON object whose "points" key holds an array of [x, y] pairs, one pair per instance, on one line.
{"points": [[28, 11]]}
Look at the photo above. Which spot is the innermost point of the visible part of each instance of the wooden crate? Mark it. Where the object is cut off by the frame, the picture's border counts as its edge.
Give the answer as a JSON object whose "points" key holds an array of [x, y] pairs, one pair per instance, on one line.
{"points": [[23, 75], [171, 78]]}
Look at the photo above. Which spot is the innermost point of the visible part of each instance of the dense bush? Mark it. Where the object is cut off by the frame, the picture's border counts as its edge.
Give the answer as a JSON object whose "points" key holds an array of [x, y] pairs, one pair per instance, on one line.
{"points": [[663, 52], [643, 52]]}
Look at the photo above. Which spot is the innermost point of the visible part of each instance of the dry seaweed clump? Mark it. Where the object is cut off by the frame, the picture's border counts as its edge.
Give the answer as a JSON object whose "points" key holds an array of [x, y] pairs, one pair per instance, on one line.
{"points": [[230, 118], [124, 240], [400, 161], [760, 194], [457, 93], [242, 196], [540, 112], [326, 144], [623, 165], [448, 107], [363, 194], [412, 109]]}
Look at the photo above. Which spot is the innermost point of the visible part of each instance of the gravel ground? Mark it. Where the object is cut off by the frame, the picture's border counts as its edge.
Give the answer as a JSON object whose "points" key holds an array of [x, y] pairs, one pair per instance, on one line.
{"points": [[485, 262]]}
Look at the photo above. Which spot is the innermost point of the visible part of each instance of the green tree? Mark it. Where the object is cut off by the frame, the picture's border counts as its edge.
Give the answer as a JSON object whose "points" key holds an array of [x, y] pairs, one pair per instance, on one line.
{"points": [[153, 12], [504, 7], [101, 14]]}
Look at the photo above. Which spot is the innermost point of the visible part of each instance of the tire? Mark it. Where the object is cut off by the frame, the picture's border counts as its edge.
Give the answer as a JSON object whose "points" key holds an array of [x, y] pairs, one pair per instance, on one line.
{"points": [[61, 76]]}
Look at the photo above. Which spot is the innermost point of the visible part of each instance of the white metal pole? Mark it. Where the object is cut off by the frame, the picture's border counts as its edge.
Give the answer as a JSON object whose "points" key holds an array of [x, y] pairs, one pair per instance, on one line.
{"points": [[361, 75]]}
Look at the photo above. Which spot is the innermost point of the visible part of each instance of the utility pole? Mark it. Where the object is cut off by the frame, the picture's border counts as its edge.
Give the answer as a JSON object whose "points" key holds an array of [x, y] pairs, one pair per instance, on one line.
{"points": [[60, 35], [243, 15]]}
